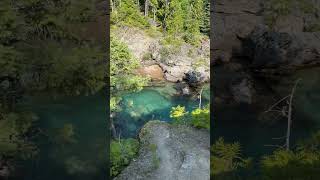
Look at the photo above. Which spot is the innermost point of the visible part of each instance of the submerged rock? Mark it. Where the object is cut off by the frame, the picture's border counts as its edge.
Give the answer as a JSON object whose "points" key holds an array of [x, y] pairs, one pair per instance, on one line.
{"points": [[171, 153]]}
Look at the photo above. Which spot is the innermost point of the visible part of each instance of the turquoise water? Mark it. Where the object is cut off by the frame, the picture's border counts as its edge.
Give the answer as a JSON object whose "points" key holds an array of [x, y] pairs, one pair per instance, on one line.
{"points": [[82, 159], [152, 104]]}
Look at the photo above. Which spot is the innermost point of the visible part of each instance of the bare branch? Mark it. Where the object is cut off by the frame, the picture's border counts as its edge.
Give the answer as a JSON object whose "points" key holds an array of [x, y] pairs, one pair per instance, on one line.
{"points": [[274, 105]]}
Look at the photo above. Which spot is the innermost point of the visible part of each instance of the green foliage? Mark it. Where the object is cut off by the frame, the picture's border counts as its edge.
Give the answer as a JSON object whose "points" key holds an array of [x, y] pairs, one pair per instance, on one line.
{"points": [[126, 12], [122, 67], [40, 47], [121, 153], [71, 70], [178, 114], [301, 163], [205, 22], [193, 21], [10, 60], [122, 76], [200, 118], [181, 20], [13, 140], [226, 158], [114, 104], [175, 19]]}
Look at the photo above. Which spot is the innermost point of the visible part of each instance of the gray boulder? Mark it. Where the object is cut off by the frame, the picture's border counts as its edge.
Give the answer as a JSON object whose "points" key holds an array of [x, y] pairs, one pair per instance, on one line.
{"points": [[171, 153]]}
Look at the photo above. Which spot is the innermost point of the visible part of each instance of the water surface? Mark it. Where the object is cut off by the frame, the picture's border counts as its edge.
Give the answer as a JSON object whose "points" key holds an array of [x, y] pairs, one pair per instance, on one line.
{"points": [[85, 157]]}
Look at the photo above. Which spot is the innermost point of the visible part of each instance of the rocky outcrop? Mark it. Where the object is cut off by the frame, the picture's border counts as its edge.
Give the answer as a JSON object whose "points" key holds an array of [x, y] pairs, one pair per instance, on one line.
{"points": [[272, 49], [171, 153], [175, 61], [255, 44], [297, 27]]}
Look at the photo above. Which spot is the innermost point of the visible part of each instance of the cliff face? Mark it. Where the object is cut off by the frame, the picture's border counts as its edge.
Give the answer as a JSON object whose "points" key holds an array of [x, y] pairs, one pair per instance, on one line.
{"points": [[171, 153]]}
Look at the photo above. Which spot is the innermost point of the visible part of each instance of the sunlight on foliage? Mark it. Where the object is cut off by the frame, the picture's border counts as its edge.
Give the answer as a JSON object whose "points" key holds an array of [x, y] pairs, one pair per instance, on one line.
{"points": [[178, 114]]}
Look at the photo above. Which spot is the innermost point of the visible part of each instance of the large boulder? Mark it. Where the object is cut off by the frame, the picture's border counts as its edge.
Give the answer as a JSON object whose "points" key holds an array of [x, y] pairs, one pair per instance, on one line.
{"points": [[171, 153]]}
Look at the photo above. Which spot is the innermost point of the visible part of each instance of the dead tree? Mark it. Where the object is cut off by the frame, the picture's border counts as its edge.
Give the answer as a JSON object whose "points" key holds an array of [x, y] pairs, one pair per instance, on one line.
{"points": [[200, 97], [285, 111]]}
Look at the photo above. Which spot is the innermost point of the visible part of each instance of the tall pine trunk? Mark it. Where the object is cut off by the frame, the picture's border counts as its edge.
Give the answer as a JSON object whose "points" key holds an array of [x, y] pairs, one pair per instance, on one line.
{"points": [[146, 7]]}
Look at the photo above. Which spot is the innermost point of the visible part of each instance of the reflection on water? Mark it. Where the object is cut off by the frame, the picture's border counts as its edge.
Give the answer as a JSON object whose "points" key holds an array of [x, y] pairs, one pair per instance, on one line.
{"points": [[73, 140]]}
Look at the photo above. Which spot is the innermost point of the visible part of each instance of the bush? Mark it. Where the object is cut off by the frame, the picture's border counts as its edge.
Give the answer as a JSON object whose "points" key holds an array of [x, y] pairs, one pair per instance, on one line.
{"points": [[122, 152], [200, 118]]}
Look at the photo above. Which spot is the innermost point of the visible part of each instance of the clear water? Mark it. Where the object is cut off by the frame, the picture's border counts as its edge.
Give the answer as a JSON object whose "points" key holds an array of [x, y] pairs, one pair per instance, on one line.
{"points": [[152, 104]]}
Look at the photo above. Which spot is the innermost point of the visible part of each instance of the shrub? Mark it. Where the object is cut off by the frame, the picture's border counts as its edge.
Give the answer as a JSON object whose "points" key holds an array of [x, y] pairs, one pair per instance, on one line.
{"points": [[121, 153]]}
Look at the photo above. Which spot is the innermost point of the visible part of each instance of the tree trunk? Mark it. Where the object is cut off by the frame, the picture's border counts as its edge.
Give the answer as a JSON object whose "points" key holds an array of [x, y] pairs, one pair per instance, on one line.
{"points": [[290, 117], [113, 129], [200, 97], [146, 7], [112, 5]]}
